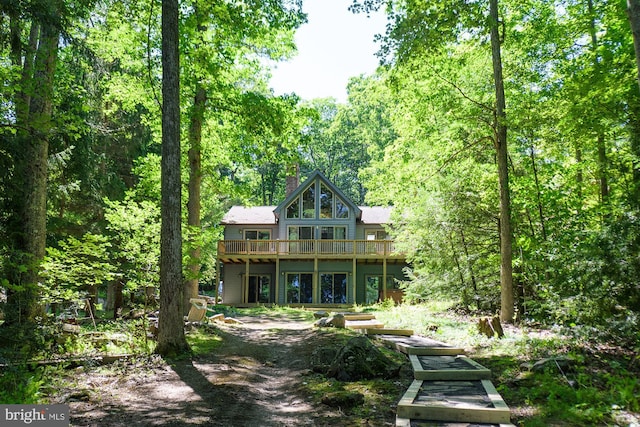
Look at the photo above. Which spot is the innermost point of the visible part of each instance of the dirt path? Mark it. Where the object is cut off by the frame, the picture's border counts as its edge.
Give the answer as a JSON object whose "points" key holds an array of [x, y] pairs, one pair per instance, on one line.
{"points": [[253, 379]]}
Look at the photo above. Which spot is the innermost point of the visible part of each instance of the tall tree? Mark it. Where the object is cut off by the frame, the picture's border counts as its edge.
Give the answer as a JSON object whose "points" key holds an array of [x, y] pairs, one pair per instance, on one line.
{"points": [[500, 125], [416, 27], [34, 105], [171, 339]]}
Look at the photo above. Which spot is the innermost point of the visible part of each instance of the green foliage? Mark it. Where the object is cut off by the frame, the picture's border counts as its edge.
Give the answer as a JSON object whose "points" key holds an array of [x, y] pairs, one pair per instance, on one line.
{"points": [[76, 266], [135, 227], [21, 384]]}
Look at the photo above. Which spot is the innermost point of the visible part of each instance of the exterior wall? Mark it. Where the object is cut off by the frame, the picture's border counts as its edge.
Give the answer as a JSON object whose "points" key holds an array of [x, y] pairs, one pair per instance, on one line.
{"points": [[236, 232], [233, 280], [363, 271]]}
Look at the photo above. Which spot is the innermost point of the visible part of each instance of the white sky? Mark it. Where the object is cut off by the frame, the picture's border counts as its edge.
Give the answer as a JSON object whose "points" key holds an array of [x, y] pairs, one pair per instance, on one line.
{"points": [[334, 45]]}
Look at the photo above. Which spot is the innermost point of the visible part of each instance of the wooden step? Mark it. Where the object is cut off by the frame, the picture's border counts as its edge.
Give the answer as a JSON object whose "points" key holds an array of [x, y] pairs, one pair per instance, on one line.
{"points": [[419, 345], [454, 401], [358, 316], [389, 331], [363, 324], [406, 422], [447, 367]]}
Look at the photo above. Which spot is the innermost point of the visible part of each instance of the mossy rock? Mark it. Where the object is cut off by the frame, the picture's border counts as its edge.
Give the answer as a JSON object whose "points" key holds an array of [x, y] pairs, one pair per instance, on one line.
{"points": [[359, 359], [343, 399]]}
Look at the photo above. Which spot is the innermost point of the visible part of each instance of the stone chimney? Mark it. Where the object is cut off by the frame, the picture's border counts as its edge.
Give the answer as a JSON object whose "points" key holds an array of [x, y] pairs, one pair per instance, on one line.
{"points": [[293, 179]]}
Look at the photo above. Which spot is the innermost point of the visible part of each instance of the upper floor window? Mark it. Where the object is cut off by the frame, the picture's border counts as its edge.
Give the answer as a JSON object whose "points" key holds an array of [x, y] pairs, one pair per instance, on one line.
{"points": [[257, 234], [326, 202], [342, 210], [309, 202], [317, 198], [376, 235], [293, 210]]}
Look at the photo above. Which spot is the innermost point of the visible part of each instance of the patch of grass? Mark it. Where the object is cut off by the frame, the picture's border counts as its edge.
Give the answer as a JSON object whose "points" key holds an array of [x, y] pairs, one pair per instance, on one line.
{"points": [[602, 380], [202, 342]]}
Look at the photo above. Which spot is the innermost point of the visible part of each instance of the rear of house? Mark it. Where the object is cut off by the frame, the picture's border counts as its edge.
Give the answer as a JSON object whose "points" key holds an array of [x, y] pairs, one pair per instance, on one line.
{"points": [[315, 248]]}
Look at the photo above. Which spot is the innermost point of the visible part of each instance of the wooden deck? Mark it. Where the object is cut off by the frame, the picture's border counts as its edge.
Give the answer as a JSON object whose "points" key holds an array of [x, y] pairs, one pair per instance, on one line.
{"points": [[269, 250]]}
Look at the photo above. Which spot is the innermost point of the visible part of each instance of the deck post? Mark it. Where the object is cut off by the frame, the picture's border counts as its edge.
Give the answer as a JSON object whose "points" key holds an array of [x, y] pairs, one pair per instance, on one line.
{"points": [[277, 295], [384, 279], [246, 282], [354, 275], [216, 285]]}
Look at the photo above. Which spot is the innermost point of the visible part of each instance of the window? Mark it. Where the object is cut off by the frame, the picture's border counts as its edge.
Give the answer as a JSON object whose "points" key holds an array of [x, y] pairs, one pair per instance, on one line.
{"points": [[333, 233], [309, 202], [257, 234], [299, 288], [300, 233], [342, 211], [326, 202], [374, 288], [333, 288], [293, 210], [376, 234]]}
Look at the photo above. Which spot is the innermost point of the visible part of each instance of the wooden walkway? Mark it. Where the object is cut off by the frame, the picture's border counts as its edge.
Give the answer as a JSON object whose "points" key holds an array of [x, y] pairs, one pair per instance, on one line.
{"points": [[449, 389]]}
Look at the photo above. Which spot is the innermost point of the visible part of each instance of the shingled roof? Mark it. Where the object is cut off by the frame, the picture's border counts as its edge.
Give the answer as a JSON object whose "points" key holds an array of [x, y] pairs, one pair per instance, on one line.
{"points": [[263, 215]]}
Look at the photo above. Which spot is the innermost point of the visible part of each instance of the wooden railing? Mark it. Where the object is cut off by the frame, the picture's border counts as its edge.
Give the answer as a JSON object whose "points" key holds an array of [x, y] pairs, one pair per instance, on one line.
{"points": [[306, 247]]}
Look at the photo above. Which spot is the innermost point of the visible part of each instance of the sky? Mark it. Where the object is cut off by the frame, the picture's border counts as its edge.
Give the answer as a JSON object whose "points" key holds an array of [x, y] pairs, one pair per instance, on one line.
{"points": [[334, 45]]}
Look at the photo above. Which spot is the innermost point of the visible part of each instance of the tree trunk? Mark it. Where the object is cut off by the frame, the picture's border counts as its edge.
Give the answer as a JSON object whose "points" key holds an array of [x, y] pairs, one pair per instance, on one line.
{"points": [[171, 339], [633, 13], [194, 205], [506, 268], [31, 204]]}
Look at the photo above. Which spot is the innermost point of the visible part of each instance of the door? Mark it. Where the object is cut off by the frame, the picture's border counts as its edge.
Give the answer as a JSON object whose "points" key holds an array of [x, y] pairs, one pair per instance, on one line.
{"points": [[299, 288], [259, 289], [333, 288]]}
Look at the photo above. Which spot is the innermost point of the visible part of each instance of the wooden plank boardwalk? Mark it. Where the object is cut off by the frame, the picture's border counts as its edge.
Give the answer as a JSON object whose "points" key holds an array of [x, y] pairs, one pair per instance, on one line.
{"points": [[449, 389]]}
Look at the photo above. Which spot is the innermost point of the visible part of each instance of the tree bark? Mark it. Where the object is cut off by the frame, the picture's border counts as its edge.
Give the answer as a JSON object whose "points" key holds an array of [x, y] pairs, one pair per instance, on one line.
{"points": [[194, 205], [171, 339], [633, 13], [23, 305], [506, 268]]}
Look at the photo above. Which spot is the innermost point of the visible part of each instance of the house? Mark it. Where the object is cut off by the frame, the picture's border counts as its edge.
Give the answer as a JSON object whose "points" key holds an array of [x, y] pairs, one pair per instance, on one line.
{"points": [[315, 248]]}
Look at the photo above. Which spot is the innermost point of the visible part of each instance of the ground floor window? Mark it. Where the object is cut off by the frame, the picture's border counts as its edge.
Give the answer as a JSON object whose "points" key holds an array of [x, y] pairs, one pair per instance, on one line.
{"points": [[333, 288], [374, 287], [299, 288], [259, 289]]}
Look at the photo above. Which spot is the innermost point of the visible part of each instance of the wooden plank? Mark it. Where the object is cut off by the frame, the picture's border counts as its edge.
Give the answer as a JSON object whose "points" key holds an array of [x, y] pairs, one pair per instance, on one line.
{"points": [[419, 345], [454, 401], [363, 324], [389, 331], [358, 316], [447, 367], [405, 422]]}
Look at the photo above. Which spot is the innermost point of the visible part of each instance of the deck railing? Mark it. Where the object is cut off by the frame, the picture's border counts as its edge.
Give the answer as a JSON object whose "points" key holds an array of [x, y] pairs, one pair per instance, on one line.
{"points": [[306, 247]]}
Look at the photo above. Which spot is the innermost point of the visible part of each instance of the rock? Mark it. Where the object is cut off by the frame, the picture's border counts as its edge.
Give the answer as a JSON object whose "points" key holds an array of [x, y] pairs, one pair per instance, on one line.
{"points": [[322, 357], [320, 314], [321, 323], [552, 363], [360, 359], [217, 317], [337, 321], [343, 399]]}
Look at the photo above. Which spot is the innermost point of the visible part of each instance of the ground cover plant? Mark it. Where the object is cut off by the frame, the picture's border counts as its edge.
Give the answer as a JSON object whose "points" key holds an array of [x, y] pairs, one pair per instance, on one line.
{"points": [[547, 375]]}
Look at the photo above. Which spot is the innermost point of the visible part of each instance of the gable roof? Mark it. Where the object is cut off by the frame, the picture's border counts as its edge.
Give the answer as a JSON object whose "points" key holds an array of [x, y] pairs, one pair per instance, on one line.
{"points": [[258, 215], [302, 187], [376, 214]]}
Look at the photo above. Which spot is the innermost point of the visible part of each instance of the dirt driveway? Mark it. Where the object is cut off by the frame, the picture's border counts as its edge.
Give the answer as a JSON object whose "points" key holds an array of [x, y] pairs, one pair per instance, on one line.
{"points": [[254, 378]]}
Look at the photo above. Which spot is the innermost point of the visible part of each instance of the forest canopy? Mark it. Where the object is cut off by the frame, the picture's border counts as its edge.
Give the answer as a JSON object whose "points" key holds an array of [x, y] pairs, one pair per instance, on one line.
{"points": [[554, 155]]}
